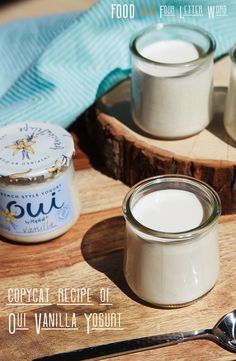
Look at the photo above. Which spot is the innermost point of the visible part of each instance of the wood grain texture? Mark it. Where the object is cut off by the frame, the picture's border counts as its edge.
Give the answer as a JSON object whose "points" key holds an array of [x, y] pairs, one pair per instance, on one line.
{"points": [[91, 255], [21, 9]]}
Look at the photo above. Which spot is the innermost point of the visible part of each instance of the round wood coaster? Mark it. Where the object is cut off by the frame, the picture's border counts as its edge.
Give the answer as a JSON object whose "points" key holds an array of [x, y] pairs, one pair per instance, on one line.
{"points": [[109, 134]]}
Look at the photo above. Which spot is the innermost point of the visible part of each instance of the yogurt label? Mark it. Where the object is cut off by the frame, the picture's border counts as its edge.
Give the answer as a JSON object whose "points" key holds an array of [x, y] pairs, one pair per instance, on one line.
{"points": [[36, 210]]}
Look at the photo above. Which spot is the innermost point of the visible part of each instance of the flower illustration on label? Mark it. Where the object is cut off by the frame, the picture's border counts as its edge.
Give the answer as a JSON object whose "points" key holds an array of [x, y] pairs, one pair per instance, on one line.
{"points": [[9, 216], [59, 164], [56, 168], [24, 146]]}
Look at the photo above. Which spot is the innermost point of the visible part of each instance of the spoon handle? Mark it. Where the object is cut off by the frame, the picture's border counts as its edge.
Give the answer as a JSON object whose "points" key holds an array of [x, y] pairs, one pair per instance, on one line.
{"points": [[125, 347]]}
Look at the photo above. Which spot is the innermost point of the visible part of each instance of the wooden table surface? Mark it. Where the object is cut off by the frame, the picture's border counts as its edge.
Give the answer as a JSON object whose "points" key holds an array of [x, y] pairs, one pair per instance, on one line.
{"points": [[90, 255], [20, 9]]}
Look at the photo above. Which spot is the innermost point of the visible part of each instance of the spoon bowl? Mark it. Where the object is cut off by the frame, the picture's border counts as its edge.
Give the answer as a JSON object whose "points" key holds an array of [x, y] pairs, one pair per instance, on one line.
{"points": [[224, 331]]}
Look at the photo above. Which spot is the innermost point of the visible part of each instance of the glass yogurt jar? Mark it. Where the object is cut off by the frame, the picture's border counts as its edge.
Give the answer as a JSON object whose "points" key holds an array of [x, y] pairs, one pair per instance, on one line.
{"points": [[171, 253], [39, 198], [172, 80]]}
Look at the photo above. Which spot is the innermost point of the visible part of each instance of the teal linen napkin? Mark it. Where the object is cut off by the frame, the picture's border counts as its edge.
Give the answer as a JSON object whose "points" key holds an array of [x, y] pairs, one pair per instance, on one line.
{"points": [[53, 68]]}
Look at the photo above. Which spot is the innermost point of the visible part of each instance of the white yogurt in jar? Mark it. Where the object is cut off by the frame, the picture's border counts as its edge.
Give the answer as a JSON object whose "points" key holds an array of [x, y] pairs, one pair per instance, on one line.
{"points": [[170, 52], [171, 258], [172, 81], [169, 210], [39, 198]]}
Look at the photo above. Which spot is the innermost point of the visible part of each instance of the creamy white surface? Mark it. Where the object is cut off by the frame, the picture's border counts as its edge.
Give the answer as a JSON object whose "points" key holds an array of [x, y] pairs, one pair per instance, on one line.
{"points": [[170, 51], [169, 210], [172, 102]]}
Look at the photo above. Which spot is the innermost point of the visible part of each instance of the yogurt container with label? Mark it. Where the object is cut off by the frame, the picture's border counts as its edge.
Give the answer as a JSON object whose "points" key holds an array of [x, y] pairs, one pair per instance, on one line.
{"points": [[39, 199]]}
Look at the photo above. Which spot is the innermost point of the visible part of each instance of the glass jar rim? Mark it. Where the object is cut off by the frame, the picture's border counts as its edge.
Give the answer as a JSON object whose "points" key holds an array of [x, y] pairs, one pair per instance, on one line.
{"points": [[232, 54], [172, 236], [161, 26]]}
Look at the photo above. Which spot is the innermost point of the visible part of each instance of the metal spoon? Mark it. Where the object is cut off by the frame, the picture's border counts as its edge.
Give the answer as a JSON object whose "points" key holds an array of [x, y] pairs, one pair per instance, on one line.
{"points": [[223, 333]]}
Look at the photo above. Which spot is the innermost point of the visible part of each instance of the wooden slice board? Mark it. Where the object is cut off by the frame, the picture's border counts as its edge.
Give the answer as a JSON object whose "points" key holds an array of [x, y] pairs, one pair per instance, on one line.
{"points": [[108, 134]]}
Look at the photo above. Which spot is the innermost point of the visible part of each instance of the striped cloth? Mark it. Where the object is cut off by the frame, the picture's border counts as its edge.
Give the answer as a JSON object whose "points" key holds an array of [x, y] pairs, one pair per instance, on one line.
{"points": [[53, 68]]}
